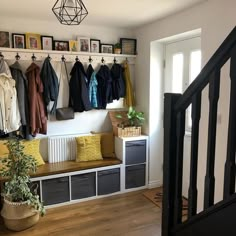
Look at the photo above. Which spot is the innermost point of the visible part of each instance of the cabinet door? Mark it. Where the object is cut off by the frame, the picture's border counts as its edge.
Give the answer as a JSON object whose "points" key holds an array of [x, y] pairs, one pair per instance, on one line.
{"points": [[135, 176], [83, 186], [135, 152], [108, 181], [55, 190]]}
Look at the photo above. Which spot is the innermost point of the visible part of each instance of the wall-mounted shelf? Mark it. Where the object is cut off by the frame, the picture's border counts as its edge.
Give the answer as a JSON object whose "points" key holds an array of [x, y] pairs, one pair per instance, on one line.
{"points": [[26, 54]]}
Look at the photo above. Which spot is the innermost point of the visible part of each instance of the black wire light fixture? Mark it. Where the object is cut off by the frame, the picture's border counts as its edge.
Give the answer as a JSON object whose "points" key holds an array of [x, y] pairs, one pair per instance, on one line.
{"points": [[70, 12]]}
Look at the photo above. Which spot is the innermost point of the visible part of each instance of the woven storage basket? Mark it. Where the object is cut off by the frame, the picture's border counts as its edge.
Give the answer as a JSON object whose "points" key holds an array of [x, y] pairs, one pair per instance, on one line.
{"points": [[129, 131]]}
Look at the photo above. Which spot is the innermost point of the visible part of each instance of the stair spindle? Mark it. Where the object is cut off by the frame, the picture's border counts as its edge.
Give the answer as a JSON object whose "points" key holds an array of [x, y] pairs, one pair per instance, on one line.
{"points": [[229, 177], [192, 192], [180, 131], [214, 89]]}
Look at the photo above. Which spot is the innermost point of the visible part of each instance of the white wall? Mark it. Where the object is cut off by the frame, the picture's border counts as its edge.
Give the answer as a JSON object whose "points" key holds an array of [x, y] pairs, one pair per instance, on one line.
{"points": [[209, 18]]}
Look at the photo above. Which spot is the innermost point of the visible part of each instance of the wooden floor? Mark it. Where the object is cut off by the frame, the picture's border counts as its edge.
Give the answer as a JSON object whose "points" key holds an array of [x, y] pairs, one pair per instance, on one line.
{"points": [[128, 215]]}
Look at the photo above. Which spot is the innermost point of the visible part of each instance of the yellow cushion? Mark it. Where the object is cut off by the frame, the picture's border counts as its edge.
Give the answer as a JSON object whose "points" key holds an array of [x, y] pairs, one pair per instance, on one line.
{"points": [[107, 144], [88, 148], [3, 151], [32, 148]]}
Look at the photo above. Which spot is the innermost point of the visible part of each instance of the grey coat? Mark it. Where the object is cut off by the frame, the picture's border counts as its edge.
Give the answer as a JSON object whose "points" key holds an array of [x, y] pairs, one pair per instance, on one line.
{"points": [[21, 88]]}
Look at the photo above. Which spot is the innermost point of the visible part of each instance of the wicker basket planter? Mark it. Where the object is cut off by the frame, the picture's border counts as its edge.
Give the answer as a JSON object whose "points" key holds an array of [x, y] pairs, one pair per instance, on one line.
{"points": [[129, 131], [19, 216]]}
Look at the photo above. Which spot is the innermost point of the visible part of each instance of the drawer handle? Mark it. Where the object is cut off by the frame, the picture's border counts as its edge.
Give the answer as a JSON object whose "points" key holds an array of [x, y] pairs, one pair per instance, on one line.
{"points": [[62, 180], [135, 145]]}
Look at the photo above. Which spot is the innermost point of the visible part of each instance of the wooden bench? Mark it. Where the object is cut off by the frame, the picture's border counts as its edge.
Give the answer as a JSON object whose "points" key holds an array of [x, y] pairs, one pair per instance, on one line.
{"points": [[71, 166]]}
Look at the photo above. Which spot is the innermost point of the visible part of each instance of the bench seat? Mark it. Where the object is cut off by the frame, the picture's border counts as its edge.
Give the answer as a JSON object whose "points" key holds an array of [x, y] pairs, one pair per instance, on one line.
{"points": [[71, 166]]}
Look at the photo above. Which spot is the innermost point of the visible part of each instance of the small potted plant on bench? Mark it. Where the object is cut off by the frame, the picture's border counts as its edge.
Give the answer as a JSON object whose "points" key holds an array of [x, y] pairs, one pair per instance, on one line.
{"points": [[22, 206], [131, 127]]}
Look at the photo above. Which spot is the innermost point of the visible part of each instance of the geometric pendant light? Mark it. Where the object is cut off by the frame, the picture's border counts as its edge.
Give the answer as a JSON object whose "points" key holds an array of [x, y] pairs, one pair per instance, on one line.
{"points": [[70, 12]]}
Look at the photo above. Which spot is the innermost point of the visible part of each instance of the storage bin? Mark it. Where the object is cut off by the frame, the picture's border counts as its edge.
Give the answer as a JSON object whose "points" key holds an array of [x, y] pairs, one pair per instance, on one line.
{"points": [[55, 190], [135, 152], [135, 176], [83, 186], [108, 181]]}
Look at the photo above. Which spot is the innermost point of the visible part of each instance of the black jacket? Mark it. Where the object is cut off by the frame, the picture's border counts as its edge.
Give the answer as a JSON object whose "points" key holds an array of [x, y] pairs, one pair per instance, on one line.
{"points": [[118, 83], [79, 96], [104, 88], [50, 84]]}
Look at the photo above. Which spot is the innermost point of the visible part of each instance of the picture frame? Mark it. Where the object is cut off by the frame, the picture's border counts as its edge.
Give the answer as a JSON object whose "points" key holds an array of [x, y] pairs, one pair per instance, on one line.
{"points": [[83, 44], [59, 45], [73, 45], [128, 46], [107, 48], [95, 45], [4, 39], [33, 41], [47, 42], [18, 40]]}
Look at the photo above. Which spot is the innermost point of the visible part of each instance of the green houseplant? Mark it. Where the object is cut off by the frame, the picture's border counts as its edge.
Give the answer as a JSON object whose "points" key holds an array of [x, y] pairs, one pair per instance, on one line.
{"points": [[22, 205], [117, 48]]}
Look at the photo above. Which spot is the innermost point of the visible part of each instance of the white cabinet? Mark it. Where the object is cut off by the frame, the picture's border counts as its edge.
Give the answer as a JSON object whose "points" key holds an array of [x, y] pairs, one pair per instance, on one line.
{"points": [[133, 151]]}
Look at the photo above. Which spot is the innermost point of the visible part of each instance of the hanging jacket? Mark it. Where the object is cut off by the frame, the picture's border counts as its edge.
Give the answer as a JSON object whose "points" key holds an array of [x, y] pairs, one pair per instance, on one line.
{"points": [[9, 110], [22, 95], [38, 119], [79, 96], [118, 84], [104, 89], [4, 68], [89, 72], [50, 84], [93, 91], [129, 100]]}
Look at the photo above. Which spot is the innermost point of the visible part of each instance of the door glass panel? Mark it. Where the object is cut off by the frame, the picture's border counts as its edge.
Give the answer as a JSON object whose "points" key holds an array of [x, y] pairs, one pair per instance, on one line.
{"points": [[177, 73]]}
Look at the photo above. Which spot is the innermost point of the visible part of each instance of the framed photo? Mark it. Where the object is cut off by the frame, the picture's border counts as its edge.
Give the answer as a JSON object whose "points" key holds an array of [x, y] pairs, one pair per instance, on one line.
{"points": [[18, 40], [4, 39], [73, 45], [94, 45], [128, 46], [61, 45], [107, 48], [83, 44], [47, 42], [33, 41]]}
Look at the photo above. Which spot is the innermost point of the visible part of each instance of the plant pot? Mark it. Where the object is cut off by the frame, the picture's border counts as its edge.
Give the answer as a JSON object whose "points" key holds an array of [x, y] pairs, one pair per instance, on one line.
{"points": [[19, 216], [117, 51]]}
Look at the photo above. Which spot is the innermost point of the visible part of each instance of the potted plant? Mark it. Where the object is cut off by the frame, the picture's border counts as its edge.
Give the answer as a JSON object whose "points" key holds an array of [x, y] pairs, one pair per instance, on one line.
{"points": [[132, 124], [22, 206], [117, 48]]}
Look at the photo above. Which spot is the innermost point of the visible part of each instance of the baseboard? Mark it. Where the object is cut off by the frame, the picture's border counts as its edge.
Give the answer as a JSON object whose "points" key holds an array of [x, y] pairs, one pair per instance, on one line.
{"points": [[155, 184]]}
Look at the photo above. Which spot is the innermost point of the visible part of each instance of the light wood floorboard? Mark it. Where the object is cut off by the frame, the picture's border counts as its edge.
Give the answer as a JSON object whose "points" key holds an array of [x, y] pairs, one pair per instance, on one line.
{"points": [[128, 214]]}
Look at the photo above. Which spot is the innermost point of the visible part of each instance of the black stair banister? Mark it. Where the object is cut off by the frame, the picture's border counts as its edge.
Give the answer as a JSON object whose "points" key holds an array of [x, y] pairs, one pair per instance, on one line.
{"points": [[192, 192], [211, 144], [169, 163], [180, 131], [219, 58], [229, 179]]}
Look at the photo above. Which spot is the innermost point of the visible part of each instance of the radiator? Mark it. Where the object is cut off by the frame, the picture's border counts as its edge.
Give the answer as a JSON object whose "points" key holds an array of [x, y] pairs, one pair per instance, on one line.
{"points": [[61, 148]]}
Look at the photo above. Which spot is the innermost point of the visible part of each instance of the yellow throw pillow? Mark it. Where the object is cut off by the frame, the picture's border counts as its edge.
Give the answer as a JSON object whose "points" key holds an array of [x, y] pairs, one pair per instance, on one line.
{"points": [[32, 148], [3, 151], [107, 144], [88, 148]]}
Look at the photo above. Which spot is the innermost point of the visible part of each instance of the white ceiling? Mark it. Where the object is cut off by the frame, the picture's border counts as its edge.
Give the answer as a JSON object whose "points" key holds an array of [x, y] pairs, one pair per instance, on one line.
{"points": [[115, 13]]}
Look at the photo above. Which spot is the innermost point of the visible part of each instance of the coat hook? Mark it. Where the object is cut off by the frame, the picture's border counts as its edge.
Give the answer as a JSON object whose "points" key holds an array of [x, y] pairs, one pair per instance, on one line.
{"points": [[17, 56], [49, 57], [102, 60], [114, 60], [63, 58], [90, 59], [33, 57], [127, 59], [76, 58]]}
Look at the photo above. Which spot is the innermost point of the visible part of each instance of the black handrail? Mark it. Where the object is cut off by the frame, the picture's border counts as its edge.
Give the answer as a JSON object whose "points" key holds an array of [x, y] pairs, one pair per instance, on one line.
{"points": [[219, 58]]}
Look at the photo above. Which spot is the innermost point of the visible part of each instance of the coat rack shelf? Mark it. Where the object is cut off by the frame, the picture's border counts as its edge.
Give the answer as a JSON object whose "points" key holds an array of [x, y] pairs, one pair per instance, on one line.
{"points": [[26, 54]]}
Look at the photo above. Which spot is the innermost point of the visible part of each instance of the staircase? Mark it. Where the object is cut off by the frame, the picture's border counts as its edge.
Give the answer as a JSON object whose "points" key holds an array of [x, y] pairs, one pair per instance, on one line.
{"points": [[215, 219]]}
